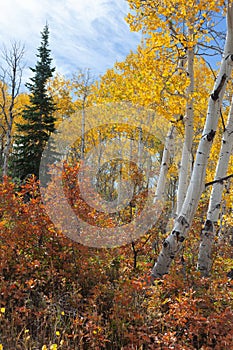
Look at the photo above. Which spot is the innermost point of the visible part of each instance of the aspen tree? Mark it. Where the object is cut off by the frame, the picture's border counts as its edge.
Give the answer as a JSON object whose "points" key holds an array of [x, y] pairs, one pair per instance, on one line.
{"points": [[185, 165], [173, 242], [10, 82], [208, 232]]}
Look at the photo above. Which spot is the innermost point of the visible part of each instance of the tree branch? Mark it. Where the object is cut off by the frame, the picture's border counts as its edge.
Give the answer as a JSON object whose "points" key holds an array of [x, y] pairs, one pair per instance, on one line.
{"points": [[218, 181]]}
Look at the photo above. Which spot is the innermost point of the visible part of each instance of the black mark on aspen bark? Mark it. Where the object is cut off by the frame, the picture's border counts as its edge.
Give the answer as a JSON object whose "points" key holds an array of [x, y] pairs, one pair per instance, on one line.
{"points": [[178, 236], [231, 56], [182, 220], [211, 135], [208, 226], [215, 94]]}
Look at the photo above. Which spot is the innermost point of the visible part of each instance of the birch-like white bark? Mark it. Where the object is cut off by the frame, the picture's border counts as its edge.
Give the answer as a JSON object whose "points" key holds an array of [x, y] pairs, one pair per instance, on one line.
{"points": [[10, 76], [83, 128], [169, 141], [208, 232], [6, 151], [185, 165], [160, 189], [173, 242], [222, 228]]}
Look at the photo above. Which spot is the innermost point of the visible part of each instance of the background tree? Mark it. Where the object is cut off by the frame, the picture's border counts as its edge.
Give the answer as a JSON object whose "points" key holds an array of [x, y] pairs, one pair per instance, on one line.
{"points": [[61, 89], [82, 84], [11, 68], [38, 116]]}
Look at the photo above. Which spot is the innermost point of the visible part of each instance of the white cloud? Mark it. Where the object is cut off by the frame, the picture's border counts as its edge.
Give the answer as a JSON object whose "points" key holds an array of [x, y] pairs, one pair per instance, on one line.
{"points": [[91, 33]]}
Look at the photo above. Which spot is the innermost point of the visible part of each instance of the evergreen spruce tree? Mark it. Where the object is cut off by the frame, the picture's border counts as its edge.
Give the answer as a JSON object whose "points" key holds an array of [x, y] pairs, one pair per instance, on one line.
{"points": [[38, 116]]}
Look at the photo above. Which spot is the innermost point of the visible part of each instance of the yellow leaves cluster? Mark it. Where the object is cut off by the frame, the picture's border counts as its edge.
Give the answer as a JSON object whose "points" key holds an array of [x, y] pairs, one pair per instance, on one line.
{"points": [[184, 20], [20, 102], [61, 90], [145, 79]]}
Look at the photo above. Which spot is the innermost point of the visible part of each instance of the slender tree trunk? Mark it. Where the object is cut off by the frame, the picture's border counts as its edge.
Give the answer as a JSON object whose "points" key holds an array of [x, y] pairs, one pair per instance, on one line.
{"points": [[160, 190], [83, 130], [185, 166], [140, 147], [222, 229], [173, 242], [10, 77], [208, 232], [7, 146]]}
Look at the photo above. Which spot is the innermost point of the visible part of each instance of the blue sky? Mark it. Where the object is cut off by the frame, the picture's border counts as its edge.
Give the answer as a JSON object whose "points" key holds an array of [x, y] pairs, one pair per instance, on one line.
{"points": [[83, 34]]}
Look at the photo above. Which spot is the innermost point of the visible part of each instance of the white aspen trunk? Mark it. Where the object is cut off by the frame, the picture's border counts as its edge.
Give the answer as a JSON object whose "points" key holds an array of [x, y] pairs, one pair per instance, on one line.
{"points": [[9, 122], [173, 242], [140, 146], [185, 165], [160, 189], [208, 232], [83, 130], [6, 151], [13, 71], [120, 188], [221, 224]]}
